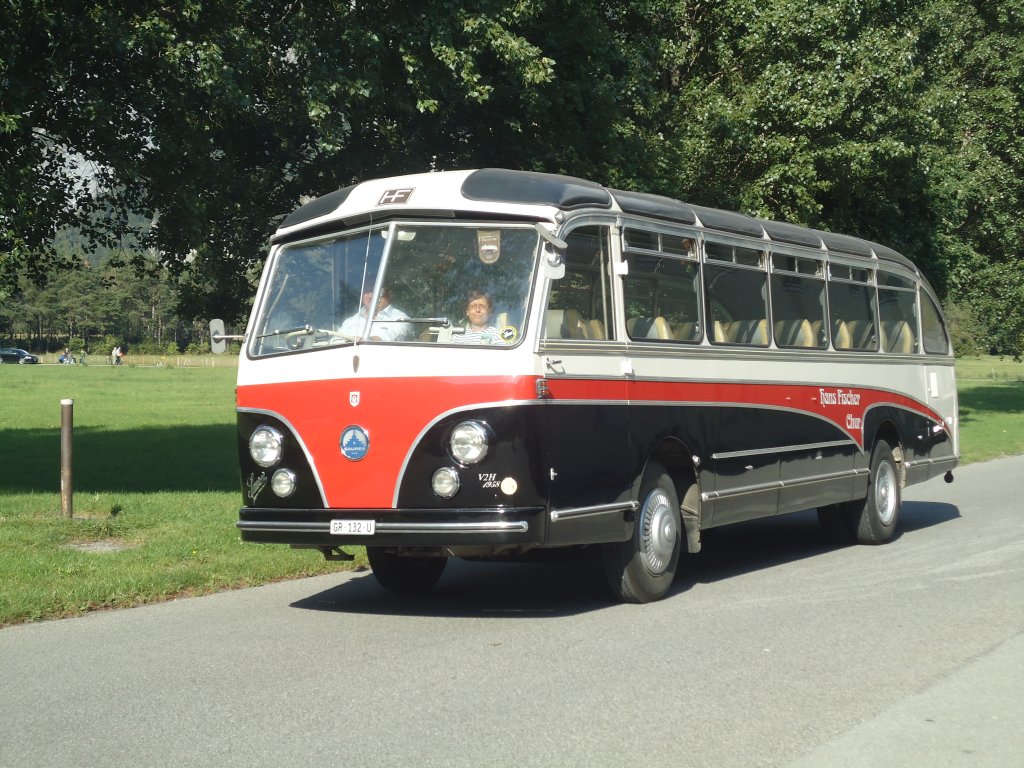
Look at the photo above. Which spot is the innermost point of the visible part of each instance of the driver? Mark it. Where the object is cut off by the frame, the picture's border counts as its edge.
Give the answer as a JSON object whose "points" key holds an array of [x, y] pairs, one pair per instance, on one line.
{"points": [[385, 310]]}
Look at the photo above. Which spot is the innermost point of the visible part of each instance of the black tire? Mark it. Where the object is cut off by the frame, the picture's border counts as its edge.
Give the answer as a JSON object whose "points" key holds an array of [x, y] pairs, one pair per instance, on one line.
{"points": [[642, 568], [838, 522], [877, 516], [405, 575]]}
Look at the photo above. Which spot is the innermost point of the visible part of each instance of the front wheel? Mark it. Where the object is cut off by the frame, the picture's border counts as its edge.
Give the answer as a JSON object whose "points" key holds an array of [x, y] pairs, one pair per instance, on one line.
{"points": [[405, 574], [878, 515], [641, 569], [873, 519]]}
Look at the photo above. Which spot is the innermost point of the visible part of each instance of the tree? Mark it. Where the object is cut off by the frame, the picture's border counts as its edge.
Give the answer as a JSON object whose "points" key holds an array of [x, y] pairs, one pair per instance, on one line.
{"points": [[893, 120]]}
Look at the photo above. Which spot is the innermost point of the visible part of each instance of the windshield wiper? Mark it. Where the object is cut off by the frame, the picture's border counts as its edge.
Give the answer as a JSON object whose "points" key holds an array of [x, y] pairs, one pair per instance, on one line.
{"points": [[307, 329], [444, 322]]}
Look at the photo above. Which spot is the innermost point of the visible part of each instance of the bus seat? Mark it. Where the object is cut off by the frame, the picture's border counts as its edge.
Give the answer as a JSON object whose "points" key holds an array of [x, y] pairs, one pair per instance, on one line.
{"points": [[649, 328], [757, 333], [785, 332], [841, 337], [684, 331], [805, 336], [795, 333], [897, 337], [596, 330], [817, 335], [726, 333], [862, 334], [563, 324]]}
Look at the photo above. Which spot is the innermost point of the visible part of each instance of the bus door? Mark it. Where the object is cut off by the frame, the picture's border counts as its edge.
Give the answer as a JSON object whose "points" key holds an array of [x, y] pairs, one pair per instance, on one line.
{"points": [[585, 421]]}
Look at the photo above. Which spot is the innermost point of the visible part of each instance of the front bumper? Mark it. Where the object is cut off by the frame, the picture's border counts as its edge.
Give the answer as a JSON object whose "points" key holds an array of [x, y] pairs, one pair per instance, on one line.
{"points": [[514, 526]]}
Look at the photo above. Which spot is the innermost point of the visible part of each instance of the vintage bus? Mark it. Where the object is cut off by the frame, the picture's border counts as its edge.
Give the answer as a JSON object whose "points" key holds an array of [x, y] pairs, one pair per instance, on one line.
{"points": [[487, 363]]}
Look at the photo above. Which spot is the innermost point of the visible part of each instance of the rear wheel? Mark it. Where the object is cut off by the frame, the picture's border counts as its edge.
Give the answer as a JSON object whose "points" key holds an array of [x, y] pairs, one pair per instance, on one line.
{"points": [[405, 574], [641, 569]]}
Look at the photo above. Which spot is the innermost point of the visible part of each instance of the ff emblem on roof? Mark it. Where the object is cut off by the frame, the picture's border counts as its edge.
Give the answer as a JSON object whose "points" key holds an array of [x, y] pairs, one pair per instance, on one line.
{"points": [[396, 196]]}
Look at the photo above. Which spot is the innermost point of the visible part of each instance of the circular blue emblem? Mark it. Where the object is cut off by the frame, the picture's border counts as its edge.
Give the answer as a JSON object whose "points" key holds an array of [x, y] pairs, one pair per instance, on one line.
{"points": [[354, 443]]}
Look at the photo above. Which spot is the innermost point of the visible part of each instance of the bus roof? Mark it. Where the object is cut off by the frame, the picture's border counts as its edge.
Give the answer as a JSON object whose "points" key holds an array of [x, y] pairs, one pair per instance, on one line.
{"points": [[539, 196]]}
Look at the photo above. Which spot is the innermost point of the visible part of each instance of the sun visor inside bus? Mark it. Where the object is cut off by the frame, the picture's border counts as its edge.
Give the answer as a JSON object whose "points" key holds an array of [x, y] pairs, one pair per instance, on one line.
{"points": [[655, 206], [318, 207], [497, 185]]}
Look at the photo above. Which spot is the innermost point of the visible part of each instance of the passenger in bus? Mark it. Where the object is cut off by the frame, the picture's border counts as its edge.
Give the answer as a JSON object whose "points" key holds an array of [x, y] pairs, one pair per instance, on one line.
{"points": [[479, 330], [389, 330]]}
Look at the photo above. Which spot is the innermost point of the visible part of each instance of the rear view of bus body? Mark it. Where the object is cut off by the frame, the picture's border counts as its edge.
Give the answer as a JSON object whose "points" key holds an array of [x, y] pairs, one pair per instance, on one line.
{"points": [[485, 363]]}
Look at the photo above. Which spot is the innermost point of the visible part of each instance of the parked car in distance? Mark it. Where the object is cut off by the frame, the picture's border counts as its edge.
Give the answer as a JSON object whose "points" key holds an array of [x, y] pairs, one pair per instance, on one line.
{"points": [[13, 355]]}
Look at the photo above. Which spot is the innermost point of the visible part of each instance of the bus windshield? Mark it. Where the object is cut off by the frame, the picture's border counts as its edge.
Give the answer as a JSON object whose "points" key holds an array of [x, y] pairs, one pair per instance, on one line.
{"points": [[425, 283]]}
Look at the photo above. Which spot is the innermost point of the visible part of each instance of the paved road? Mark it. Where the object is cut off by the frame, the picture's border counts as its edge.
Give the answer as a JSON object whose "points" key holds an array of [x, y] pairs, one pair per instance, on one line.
{"points": [[774, 650]]}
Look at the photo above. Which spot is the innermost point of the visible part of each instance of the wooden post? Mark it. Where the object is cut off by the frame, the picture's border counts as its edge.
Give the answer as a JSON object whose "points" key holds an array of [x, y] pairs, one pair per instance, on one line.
{"points": [[67, 428]]}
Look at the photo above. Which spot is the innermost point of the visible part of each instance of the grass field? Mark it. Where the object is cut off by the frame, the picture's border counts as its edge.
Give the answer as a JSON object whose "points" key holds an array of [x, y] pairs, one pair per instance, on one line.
{"points": [[157, 493], [991, 407]]}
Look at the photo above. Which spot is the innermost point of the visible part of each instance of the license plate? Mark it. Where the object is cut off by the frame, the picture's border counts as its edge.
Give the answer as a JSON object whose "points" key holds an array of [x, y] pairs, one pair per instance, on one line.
{"points": [[352, 527]]}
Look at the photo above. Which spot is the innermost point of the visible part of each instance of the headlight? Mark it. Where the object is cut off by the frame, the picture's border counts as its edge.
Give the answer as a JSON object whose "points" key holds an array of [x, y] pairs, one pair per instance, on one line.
{"points": [[469, 442], [283, 483], [445, 482], [266, 446]]}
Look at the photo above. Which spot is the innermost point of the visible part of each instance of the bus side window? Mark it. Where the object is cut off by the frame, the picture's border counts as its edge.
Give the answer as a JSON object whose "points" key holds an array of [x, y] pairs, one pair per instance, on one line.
{"points": [[579, 306], [798, 302], [736, 294], [897, 309], [661, 297], [851, 301], [936, 342]]}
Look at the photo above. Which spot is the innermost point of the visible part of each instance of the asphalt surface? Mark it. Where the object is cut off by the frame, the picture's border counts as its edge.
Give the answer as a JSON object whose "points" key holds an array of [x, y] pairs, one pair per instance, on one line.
{"points": [[774, 649]]}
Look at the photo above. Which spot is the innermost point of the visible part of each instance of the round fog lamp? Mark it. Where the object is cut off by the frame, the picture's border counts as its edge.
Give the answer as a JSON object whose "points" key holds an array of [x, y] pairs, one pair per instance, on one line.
{"points": [[445, 482], [468, 442], [283, 483], [266, 446]]}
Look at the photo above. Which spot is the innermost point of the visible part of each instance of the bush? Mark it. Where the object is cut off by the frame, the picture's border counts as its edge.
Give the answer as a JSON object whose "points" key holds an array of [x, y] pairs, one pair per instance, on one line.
{"points": [[969, 336]]}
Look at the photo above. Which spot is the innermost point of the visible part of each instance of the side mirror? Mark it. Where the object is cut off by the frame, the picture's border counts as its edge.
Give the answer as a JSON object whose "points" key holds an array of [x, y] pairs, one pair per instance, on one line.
{"points": [[554, 248], [218, 342]]}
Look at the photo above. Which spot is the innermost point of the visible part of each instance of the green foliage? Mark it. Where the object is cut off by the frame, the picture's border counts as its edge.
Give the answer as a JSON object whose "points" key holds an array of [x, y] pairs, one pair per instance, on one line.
{"points": [[968, 335], [95, 307], [897, 121]]}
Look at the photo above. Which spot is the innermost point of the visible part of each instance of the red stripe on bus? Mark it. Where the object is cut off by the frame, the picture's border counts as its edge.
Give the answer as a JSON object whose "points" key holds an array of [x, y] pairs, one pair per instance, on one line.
{"points": [[393, 411], [844, 406]]}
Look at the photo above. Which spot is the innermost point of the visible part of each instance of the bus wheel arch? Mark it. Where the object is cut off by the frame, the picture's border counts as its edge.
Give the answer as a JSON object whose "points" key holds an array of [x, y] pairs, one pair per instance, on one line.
{"points": [[887, 432], [679, 462]]}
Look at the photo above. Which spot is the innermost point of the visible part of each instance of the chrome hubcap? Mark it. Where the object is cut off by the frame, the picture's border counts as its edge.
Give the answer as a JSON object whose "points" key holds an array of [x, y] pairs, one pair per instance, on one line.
{"points": [[886, 493], [659, 529]]}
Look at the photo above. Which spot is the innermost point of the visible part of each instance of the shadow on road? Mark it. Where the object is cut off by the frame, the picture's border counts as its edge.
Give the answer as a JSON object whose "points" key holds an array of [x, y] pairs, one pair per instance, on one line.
{"points": [[575, 583]]}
